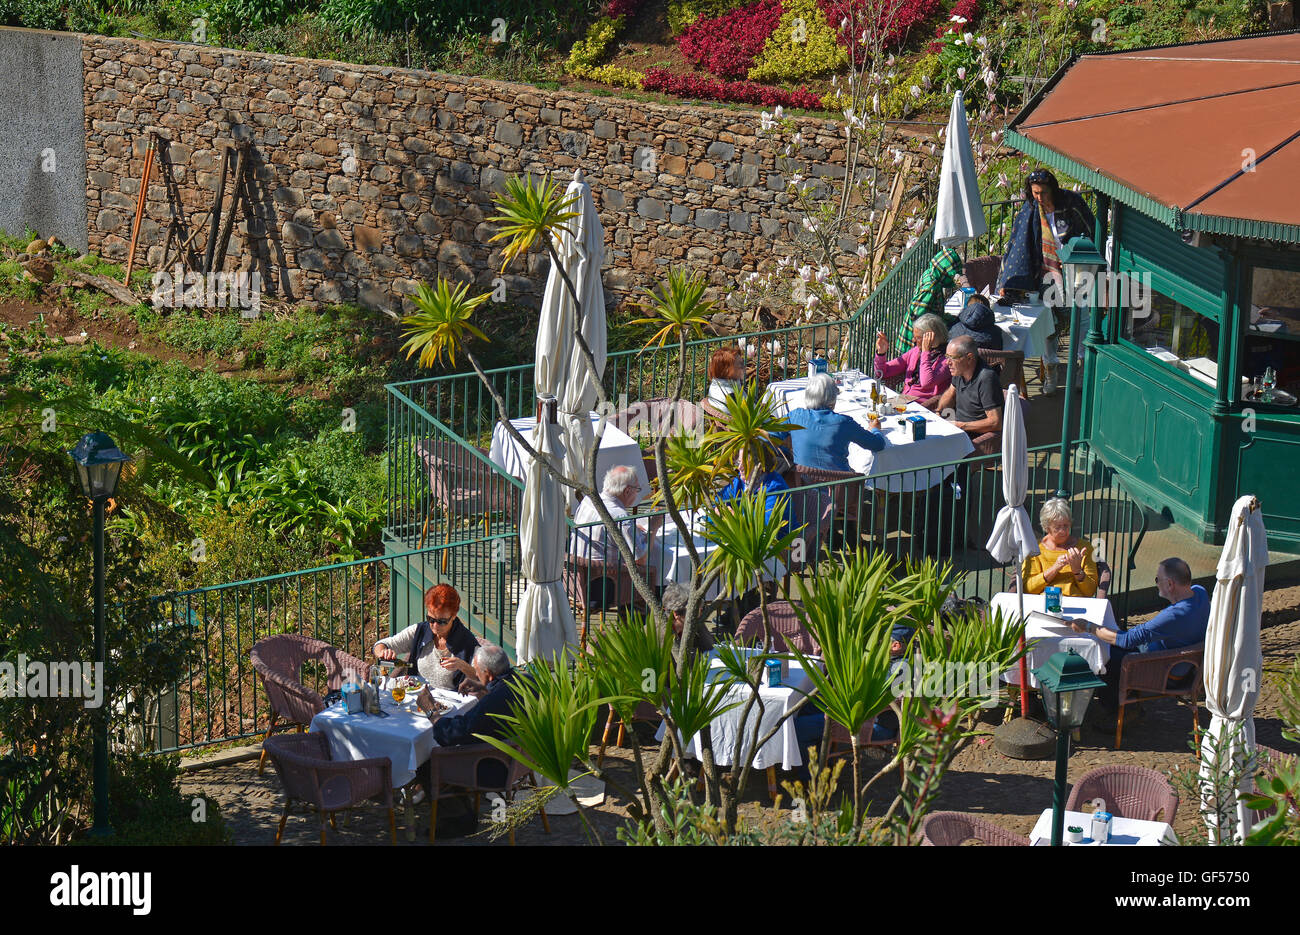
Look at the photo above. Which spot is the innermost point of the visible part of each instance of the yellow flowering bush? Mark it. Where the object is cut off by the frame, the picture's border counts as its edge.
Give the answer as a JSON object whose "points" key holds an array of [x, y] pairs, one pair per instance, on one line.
{"points": [[589, 50], [802, 45], [613, 74]]}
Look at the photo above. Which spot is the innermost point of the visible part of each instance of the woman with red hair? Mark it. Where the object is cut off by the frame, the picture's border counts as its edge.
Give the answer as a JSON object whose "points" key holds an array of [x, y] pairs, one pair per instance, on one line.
{"points": [[439, 648]]}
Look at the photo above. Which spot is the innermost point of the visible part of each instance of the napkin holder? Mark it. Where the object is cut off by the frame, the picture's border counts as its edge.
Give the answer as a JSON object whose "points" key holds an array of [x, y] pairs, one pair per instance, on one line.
{"points": [[354, 701], [917, 424]]}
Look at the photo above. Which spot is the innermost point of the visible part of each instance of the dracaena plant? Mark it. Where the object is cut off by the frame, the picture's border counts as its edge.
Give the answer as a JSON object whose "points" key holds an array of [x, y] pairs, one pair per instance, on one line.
{"points": [[442, 323], [750, 431], [678, 308]]}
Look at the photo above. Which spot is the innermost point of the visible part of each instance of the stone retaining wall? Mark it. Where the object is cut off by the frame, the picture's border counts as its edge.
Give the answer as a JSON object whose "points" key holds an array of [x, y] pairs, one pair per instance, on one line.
{"points": [[371, 180]]}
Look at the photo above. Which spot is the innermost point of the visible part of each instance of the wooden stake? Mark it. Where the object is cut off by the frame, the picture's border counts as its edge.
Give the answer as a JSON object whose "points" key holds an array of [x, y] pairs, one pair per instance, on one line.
{"points": [[228, 223], [216, 212], [139, 209]]}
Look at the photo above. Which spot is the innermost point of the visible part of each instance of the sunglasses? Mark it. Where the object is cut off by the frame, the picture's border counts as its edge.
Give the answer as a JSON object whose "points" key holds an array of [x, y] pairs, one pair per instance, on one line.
{"points": [[1038, 175], [442, 621]]}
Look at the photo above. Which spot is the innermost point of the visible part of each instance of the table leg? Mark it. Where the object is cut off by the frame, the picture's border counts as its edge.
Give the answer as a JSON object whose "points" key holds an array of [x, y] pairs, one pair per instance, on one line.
{"points": [[771, 783]]}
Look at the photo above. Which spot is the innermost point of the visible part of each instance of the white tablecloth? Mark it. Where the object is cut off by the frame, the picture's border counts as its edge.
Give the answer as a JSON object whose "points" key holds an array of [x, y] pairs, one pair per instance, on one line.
{"points": [[405, 736], [943, 441], [616, 447], [669, 554], [1123, 831], [782, 750], [1024, 326], [1043, 642]]}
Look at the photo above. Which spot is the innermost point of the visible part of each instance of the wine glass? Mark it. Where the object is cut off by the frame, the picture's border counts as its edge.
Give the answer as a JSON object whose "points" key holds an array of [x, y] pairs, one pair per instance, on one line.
{"points": [[399, 694]]}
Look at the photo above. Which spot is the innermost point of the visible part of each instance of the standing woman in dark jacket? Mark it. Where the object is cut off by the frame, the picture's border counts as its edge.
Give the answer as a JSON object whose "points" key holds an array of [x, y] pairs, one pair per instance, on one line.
{"points": [[1050, 217]]}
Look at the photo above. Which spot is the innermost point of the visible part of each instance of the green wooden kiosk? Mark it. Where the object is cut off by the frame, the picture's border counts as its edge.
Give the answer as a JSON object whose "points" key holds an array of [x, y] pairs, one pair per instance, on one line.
{"points": [[1194, 153]]}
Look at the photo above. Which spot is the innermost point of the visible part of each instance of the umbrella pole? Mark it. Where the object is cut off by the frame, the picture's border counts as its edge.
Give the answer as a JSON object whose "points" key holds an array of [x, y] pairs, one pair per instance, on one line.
{"points": [[1024, 673]]}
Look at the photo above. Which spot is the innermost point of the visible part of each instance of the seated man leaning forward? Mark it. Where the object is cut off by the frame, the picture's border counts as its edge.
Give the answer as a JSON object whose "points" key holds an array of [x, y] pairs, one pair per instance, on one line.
{"points": [[975, 398], [620, 492], [438, 648], [1181, 624], [493, 682]]}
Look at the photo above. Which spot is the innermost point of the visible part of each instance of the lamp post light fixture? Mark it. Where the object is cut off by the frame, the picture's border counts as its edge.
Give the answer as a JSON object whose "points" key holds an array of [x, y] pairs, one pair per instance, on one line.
{"points": [[1078, 256], [99, 467], [1067, 684]]}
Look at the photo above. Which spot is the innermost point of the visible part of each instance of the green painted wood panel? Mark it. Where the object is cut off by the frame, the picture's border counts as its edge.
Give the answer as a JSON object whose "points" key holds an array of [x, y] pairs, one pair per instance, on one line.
{"points": [[1268, 466], [1193, 276]]}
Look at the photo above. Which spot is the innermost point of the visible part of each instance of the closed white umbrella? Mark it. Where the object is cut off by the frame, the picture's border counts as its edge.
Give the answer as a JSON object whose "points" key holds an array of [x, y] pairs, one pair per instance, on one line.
{"points": [[585, 254], [1013, 535], [544, 622], [1233, 660], [960, 215]]}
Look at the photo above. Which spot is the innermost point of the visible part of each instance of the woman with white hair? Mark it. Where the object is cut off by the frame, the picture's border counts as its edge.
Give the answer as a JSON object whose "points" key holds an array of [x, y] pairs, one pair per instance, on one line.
{"points": [[825, 435], [924, 368], [1063, 561]]}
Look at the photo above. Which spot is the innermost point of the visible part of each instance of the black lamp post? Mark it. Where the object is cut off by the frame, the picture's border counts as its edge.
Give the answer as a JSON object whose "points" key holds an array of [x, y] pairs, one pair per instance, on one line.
{"points": [[1079, 255], [99, 466], [1067, 685]]}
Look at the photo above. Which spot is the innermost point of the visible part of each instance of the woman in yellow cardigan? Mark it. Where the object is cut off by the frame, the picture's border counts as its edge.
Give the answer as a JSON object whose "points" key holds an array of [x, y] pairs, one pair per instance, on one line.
{"points": [[1063, 561]]}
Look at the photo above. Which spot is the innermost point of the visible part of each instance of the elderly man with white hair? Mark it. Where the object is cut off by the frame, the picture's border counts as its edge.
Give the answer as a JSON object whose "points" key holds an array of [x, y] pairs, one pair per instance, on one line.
{"points": [[620, 491], [824, 440]]}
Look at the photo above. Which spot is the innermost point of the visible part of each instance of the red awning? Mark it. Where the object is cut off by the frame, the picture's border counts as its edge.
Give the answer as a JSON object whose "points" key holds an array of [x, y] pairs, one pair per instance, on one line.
{"points": [[1212, 128]]}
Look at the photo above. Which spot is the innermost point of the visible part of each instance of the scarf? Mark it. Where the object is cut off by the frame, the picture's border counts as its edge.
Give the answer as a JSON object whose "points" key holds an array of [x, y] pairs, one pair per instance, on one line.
{"points": [[1051, 262]]}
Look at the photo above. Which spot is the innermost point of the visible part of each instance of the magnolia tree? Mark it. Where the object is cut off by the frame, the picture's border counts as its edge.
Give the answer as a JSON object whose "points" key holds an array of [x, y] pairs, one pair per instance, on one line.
{"points": [[850, 610], [853, 229]]}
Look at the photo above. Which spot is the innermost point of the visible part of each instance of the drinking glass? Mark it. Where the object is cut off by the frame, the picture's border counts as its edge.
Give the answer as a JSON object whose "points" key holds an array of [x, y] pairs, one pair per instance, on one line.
{"points": [[1270, 384], [399, 694]]}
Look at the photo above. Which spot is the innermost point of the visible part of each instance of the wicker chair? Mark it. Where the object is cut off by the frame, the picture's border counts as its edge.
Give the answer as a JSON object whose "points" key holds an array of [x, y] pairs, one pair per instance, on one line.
{"points": [[814, 514], [278, 661], [787, 630], [1144, 676], [981, 272], [464, 485], [455, 771], [951, 829], [1104, 577], [1011, 369], [1129, 792], [302, 761]]}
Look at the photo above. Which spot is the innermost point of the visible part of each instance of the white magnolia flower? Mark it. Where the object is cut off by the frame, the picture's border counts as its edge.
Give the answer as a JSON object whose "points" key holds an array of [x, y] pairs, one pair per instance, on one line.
{"points": [[823, 272], [778, 113], [959, 20], [808, 225], [992, 97], [961, 73], [982, 42], [990, 77], [925, 80], [915, 91], [810, 301], [863, 253], [844, 23], [751, 350], [797, 138], [796, 178], [788, 150], [1003, 181], [969, 37], [765, 121], [875, 103], [741, 343]]}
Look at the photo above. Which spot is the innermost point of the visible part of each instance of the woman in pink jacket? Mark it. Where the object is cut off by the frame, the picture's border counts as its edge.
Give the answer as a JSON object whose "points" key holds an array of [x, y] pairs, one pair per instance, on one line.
{"points": [[924, 368]]}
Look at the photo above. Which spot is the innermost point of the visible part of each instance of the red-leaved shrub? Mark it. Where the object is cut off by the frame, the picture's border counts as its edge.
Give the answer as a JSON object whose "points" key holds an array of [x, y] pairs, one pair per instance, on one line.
{"points": [[969, 10], [899, 18], [727, 45], [736, 92], [617, 8]]}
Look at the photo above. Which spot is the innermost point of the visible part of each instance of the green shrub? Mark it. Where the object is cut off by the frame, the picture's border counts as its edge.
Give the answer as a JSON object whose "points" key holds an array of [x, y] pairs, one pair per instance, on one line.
{"points": [[33, 14], [785, 59], [588, 51], [236, 16], [146, 807]]}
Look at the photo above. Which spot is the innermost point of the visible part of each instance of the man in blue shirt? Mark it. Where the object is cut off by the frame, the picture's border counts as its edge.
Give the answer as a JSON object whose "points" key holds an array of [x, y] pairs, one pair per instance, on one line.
{"points": [[1180, 624], [826, 434]]}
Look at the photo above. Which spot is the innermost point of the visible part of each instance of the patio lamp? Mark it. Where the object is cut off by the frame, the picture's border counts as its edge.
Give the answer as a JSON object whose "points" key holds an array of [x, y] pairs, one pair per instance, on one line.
{"points": [[1067, 684], [1079, 256], [99, 467]]}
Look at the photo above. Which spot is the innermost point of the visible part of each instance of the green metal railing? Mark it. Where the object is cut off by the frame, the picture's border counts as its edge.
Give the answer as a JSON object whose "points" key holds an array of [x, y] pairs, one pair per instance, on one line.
{"points": [[350, 605], [354, 604], [429, 484]]}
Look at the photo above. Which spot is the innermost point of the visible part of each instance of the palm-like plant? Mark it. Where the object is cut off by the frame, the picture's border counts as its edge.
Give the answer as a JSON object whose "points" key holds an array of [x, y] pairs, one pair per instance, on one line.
{"points": [[528, 211], [748, 540], [749, 431], [850, 612], [442, 325], [691, 471], [678, 309]]}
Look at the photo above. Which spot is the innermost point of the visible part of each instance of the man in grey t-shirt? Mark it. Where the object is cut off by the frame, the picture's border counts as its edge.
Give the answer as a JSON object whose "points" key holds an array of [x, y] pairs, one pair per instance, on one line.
{"points": [[975, 396]]}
